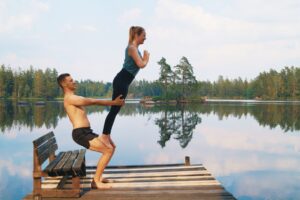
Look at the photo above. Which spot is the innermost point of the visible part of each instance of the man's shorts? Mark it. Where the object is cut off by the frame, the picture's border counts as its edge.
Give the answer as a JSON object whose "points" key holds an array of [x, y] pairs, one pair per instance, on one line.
{"points": [[83, 135]]}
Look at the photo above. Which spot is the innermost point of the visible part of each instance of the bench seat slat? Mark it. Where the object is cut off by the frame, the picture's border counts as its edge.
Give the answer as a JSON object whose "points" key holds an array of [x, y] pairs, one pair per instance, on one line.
{"points": [[79, 164], [50, 167], [58, 168], [67, 168]]}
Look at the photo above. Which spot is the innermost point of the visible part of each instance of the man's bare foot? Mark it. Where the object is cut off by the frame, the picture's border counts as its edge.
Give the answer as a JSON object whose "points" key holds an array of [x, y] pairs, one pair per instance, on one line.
{"points": [[99, 185], [105, 140]]}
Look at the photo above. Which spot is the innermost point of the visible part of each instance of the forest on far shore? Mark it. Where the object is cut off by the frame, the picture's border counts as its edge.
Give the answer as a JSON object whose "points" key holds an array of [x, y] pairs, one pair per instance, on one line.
{"points": [[174, 83]]}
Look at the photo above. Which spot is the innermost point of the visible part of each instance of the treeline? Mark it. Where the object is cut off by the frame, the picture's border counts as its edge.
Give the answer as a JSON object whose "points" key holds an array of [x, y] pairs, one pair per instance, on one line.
{"points": [[37, 83], [29, 83], [177, 82], [284, 84]]}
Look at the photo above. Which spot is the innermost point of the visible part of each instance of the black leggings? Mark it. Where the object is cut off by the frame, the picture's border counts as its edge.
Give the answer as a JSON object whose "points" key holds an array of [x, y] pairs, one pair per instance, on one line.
{"points": [[120, 87]]}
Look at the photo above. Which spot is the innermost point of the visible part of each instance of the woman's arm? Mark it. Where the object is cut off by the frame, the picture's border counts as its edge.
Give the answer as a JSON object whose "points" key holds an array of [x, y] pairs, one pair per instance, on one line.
{"points": [[140, 62]]}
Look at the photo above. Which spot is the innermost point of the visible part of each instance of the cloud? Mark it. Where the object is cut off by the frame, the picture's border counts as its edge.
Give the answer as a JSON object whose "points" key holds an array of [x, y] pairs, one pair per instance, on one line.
{"points": [[224, 38], [130, 15], [159, 158], [223, 43], [10, 57], [42, 6], [27, 13], [89, 28], [84, 28], [190, 24], [248, 142], [14, 169], [67, 28]]}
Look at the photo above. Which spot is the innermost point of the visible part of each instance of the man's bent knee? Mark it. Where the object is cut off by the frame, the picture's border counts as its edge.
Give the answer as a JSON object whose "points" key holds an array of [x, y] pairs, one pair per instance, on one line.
{"points": [[108, 151]]}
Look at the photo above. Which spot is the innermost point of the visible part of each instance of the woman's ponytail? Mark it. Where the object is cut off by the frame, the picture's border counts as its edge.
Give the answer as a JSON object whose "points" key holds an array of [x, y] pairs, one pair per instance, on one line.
{"points": [[133, 31]]}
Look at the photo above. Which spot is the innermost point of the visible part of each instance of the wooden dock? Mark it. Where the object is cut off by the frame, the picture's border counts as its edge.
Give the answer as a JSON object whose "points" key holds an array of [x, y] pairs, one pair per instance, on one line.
{"points": [[145, 182]]}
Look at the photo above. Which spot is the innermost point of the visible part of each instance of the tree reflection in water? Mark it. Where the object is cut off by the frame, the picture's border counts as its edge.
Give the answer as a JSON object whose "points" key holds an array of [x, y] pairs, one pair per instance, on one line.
{"points": [[177, 122]]}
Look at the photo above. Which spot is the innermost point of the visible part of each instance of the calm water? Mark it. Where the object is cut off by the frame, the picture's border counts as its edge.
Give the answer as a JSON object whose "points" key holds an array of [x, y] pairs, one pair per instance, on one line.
{"points": [[251, 148]]}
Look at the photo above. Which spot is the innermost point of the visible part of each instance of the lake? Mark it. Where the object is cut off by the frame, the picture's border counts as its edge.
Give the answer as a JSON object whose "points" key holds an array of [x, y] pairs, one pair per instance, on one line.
{"points": [[252, 148]]}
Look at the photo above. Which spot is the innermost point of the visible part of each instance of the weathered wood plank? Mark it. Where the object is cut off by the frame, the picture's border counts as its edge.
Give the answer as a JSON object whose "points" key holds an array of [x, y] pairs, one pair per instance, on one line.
{"points": [[67, 168], [50, 167], [78, 167], [137, 166], [140, 168], [45, 155], [154, 170], [120, 178], [162, 184], [58, 168], [168, 196], [42, 139], [156, 174], [62, 182], [155, 182], [46, 145], [96, 195], [60, 193], [153, 179]]}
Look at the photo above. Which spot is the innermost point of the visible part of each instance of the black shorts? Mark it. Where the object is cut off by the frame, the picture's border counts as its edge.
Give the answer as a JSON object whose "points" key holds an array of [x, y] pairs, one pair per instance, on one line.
{"points": [[83, 135]]}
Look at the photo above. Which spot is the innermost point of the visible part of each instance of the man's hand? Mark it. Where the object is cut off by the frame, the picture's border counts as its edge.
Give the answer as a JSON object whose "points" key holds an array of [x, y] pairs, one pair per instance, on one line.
{"points": [[118, 101]]}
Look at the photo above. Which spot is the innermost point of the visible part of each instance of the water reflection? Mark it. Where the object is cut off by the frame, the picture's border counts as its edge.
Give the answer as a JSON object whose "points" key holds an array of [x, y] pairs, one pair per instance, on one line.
{"points": [[243, 145], [29, 115], [175, 120], [178, 122]]}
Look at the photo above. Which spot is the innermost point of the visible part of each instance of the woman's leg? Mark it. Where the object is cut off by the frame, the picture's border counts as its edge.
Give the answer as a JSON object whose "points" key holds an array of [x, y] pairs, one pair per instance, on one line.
{"points": [[114, 110], [119, 88]]}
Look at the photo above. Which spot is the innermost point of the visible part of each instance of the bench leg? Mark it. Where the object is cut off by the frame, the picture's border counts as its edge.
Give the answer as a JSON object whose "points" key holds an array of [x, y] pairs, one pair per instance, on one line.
{"points": [[76, 182], [61, 192], [37, 186]]}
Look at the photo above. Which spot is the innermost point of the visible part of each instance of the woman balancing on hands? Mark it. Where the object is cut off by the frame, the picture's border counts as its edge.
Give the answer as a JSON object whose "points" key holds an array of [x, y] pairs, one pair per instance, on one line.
{"points": [[133, 62]]}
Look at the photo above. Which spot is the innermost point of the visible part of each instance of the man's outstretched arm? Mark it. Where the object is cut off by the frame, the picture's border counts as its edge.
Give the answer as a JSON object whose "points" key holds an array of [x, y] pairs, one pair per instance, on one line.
{"points": [[82, 101]]}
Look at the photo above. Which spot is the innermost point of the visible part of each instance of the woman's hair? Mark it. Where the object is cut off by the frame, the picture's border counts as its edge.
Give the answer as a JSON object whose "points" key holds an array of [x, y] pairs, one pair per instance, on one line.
{"points": [[135, 30]]}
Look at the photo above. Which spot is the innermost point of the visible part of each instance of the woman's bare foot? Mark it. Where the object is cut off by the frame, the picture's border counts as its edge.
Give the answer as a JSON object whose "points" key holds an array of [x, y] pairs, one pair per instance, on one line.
{"points": [[99, 185], [111, 142], [105, 180], [106, 141]]}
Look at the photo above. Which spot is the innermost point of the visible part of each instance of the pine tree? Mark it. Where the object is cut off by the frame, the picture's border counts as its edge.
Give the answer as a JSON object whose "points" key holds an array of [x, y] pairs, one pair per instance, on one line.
{"points": [[166, 75], [185, 77], [39, 84]]}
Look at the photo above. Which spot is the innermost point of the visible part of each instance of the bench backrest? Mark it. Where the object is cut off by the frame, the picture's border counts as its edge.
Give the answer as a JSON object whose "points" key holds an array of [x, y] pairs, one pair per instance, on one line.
{"points": [[44, 147]]}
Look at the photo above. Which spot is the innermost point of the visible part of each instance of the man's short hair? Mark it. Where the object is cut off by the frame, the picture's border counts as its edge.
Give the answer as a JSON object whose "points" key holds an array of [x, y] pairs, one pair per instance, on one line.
{"points": [[61, 78]]}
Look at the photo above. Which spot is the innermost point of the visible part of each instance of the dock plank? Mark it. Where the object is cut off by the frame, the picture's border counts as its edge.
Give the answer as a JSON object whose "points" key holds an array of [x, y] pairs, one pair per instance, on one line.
{"points": [[155, 182]]}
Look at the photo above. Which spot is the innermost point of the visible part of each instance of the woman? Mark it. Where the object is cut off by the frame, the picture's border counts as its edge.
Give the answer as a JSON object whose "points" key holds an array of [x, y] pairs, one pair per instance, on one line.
{"points": [[133, 62]]}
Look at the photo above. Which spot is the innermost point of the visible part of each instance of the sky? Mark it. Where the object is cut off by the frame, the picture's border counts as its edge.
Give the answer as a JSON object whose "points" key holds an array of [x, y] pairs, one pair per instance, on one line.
{"points": [[87, 39]]}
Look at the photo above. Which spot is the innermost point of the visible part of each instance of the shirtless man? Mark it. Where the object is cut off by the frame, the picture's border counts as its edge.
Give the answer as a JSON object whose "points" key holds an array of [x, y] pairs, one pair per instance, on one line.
{"points": [[82, 133]]}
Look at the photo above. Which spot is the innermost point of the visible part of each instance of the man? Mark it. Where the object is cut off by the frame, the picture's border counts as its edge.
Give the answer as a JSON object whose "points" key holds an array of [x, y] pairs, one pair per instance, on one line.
{"points": [[82, 133]]}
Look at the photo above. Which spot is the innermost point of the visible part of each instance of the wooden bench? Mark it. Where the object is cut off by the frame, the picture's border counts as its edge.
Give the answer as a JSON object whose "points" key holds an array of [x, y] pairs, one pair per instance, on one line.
{"points": [[65, 164]]}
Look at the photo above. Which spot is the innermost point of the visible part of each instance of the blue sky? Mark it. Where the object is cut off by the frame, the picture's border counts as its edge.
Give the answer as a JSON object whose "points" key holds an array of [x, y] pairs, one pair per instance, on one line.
{"points": [[88, 38]]}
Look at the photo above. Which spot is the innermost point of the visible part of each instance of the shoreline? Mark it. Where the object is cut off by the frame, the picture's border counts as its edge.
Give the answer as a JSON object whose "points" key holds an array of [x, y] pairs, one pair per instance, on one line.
{"points": [[140, 100]]}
